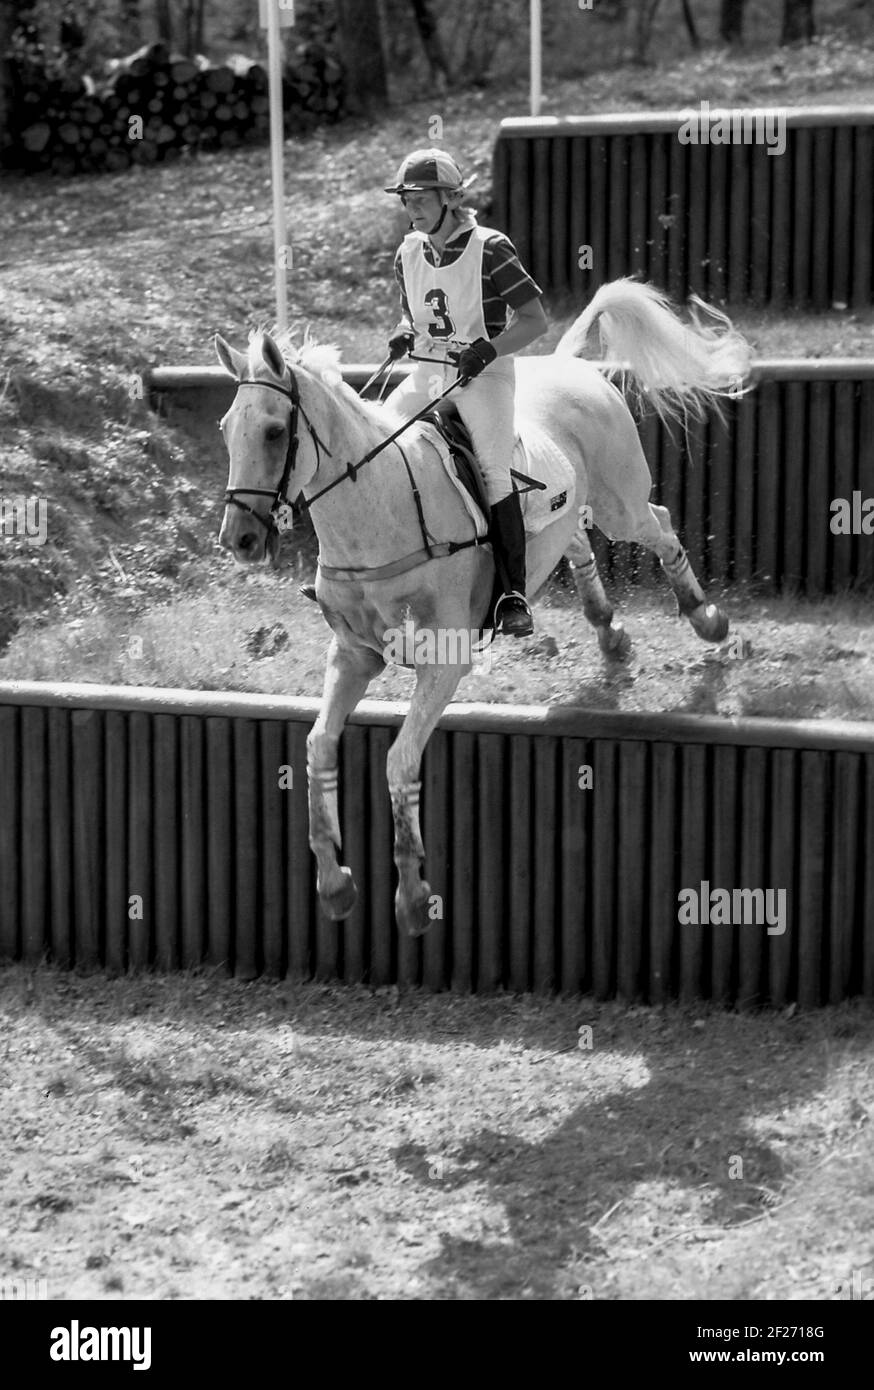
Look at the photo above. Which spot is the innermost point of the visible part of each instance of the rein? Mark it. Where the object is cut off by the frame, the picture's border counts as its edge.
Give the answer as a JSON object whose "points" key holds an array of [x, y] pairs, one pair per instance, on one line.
{"points": [[279, 519]]}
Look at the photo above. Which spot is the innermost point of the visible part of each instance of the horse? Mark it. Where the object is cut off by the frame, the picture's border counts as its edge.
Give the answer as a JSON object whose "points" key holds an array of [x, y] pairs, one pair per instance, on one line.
{"points": [[396, 551]]}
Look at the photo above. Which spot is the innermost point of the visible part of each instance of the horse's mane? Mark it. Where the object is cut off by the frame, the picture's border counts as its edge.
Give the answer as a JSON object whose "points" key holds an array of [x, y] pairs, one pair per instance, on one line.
{"points": [[321, 360]]}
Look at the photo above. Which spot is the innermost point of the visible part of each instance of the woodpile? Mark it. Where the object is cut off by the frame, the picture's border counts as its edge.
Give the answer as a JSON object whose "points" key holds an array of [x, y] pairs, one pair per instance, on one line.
{"points": [[155, 104]]}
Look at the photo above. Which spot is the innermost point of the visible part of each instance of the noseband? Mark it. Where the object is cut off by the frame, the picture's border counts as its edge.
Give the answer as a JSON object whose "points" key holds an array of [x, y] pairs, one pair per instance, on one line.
{"points": [[279, 517]]}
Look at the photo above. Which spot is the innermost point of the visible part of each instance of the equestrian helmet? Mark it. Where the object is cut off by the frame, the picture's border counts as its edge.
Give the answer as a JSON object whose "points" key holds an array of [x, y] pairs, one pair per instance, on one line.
{"points": [[424, 170]]}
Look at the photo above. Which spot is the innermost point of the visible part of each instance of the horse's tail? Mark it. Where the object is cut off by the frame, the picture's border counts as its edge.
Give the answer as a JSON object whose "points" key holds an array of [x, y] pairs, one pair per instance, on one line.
{"points": [[680, 368]]}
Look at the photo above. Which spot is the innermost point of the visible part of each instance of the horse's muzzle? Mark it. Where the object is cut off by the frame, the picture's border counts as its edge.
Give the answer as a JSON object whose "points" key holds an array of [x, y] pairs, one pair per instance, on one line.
{"points": [[249, 543]]}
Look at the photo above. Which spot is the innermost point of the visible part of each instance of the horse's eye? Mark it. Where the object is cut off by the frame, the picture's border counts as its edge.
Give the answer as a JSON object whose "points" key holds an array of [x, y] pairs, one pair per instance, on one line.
{"points": [[275, 432]]}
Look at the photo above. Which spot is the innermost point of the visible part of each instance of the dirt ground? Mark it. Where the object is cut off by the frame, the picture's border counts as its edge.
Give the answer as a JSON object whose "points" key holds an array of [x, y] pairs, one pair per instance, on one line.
{"points": [[192, 1137]]}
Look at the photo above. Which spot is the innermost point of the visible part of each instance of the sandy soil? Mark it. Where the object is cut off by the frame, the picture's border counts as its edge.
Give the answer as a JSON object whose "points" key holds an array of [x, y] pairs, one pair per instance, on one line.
{"points": [[181, 1138]]}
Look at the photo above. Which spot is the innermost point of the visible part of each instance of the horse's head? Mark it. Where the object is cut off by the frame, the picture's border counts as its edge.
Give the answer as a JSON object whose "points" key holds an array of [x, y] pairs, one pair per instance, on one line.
{"points": [[272, 446]]}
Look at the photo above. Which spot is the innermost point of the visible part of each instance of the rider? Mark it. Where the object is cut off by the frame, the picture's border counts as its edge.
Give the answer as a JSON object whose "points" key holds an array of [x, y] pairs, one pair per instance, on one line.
{"points": [[467, 305]]}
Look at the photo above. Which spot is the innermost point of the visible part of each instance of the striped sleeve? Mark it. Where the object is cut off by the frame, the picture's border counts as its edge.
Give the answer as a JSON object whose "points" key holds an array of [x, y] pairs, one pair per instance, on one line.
{"points": [[504, 277], [406, 316]]}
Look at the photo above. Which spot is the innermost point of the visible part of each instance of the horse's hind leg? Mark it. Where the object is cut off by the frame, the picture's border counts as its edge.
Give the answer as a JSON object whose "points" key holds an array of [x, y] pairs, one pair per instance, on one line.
{"points": [[612, 637], [707, 619], [347, 675], [435, 686]]}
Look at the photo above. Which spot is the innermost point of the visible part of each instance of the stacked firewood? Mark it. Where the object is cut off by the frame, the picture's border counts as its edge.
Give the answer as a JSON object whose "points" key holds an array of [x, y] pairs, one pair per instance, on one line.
{"points": [[154, 104]]}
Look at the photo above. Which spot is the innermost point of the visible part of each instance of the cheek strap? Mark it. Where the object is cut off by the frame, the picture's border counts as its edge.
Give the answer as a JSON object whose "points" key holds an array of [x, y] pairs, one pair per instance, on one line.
{"points": [[440, 220]]}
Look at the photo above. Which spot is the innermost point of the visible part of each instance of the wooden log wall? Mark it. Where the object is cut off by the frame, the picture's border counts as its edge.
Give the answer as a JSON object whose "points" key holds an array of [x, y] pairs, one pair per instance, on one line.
{"points": [[148, 828], [736, 222]]}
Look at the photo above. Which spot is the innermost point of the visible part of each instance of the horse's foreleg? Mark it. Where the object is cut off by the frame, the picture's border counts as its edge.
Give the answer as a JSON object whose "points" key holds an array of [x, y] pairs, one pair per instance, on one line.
{"points": [[612, 637], [707, 619], [435, 687], [347, 676]]}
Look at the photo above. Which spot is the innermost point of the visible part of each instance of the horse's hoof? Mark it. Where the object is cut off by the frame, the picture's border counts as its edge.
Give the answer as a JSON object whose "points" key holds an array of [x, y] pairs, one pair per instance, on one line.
{"points": [[338, 905], [413, 913], [709, 622], [614, 641]]}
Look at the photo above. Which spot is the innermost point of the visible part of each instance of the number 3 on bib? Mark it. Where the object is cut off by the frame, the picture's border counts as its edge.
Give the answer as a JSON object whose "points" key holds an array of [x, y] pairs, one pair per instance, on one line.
{"points": [[444, 327]]}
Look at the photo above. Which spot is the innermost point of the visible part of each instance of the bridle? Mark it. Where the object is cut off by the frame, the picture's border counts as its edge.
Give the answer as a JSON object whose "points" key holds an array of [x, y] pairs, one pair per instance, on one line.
{"points": [[278, 518]]}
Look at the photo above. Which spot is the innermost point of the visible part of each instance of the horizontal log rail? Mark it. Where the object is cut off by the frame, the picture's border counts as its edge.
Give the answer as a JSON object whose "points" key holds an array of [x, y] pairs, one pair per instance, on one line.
{"points": [[557, 721], [750, 495], [645, 122]]}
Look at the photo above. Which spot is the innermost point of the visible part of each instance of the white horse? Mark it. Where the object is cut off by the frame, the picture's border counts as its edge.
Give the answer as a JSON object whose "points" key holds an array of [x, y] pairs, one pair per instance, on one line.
{"points": [[387, 529]]}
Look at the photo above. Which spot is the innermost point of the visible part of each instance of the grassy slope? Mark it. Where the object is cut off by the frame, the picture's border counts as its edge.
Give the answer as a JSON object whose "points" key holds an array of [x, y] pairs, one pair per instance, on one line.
{"points": [[102, 276]]}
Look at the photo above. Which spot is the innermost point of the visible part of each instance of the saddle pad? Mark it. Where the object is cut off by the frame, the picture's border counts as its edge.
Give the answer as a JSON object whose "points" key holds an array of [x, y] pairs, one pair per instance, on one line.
{"points": [[474, 511], [537, 457]]}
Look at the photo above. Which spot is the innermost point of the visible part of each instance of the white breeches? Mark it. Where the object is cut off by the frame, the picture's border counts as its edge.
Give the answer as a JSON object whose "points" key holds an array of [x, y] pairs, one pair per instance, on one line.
{"points": [[486, 405]]}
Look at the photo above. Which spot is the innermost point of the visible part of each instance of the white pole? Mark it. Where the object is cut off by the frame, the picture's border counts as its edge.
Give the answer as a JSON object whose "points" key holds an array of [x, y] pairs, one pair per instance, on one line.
{"points": [[277, 138], [535, 57]]}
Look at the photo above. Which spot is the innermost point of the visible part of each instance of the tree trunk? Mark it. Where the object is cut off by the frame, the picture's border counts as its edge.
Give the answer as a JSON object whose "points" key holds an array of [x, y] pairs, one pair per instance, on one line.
{"points": [[358, 33], [8, 21], [641, 14], [199, 25], [431, 42], [731, 20], [164, 21], [798, 26], [689, 20], [193, 26], [131, 23]]}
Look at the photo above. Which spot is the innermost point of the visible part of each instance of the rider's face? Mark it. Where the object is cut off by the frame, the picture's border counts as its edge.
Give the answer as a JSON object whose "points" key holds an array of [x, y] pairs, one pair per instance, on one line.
{"points": [[423, 208]]}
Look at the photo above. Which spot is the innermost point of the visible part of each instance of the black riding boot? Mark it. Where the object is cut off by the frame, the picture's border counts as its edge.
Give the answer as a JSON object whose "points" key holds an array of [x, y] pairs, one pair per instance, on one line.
{"points": [[507, 534]]}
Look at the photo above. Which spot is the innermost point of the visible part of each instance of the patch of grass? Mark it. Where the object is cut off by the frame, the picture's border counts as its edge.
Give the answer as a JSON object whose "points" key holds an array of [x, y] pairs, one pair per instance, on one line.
{"points": [[51, 1202], [62, 1083], [279, 1159], [256, 633]]}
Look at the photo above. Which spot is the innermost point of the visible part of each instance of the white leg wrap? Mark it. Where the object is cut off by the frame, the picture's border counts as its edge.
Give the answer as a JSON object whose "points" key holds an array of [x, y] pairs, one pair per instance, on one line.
{"points": [[407, 795], [327, 778]]}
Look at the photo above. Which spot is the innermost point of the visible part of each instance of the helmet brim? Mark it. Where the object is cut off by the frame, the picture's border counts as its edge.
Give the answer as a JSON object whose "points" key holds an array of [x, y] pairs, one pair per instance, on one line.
{"points": [[431, 187]]}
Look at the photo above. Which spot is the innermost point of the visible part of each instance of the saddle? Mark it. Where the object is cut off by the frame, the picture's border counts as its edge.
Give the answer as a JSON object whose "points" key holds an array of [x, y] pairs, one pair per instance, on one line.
{"points": [[452, 429]]}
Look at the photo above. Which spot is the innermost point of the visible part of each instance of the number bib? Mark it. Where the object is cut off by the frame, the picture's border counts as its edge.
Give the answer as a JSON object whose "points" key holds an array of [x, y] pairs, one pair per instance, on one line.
{"points": [[446, 301]]}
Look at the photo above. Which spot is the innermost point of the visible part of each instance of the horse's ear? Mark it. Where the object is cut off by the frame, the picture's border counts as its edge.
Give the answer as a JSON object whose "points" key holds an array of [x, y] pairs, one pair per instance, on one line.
{"points": [[272, 356], [232, 361]]}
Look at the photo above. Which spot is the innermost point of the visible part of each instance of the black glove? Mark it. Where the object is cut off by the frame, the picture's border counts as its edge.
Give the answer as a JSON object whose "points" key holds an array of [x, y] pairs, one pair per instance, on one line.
{"points": [[476, 358], [400, 343]]}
